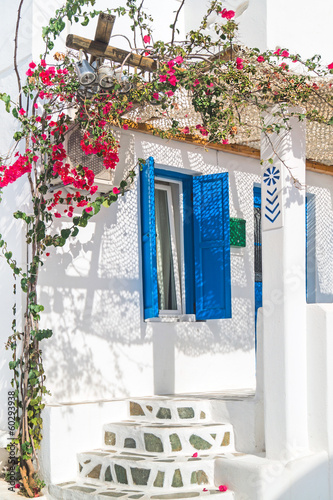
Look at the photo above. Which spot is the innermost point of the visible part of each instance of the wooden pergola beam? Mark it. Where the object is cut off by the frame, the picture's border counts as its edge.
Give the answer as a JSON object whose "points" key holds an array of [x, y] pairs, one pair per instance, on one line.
{"points": [[99, 49], [237, 149], [103, 30]]}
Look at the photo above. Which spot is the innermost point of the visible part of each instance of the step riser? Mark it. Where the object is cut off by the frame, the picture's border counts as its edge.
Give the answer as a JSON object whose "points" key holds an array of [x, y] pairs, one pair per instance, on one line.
{"points": [[172, 411], [169, 440], [84, 491], [154, 475]]}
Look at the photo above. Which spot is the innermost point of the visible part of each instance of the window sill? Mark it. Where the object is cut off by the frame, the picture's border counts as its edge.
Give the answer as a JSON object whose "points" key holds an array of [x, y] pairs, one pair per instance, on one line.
{"points": [[184, 318]]}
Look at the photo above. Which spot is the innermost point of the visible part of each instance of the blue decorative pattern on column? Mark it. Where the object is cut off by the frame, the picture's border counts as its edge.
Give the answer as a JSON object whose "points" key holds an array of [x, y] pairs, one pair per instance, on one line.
{"points": [[272, 210]]}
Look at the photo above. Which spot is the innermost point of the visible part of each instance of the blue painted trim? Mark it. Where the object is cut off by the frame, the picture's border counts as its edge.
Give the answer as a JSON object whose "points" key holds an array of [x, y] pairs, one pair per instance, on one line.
{"points": [[148, 230], [257, 196], [187, 183], [212, 246]]}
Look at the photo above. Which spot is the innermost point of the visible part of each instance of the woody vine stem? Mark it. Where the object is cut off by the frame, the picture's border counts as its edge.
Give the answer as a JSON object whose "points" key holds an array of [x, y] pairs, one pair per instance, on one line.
{"points": [[220, 80]]}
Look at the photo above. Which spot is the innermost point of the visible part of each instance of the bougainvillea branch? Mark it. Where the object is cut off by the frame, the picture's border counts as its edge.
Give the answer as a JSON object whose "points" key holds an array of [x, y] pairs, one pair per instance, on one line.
{"points": [[224, 86]]}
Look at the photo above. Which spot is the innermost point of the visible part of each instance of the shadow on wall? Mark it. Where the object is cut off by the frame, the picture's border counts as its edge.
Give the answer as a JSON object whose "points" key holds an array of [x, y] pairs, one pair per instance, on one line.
{"points": [[91, 291]]}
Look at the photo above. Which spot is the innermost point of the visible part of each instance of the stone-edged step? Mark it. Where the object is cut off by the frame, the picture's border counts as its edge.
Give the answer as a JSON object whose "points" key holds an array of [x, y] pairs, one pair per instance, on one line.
{"points": [[73, 490], [175, 410], [169, 439], [147, 472]]}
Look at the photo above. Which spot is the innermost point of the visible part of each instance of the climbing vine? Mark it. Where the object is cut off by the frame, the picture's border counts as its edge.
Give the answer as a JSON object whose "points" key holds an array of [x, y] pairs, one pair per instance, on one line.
{"points": [[220, 79]]}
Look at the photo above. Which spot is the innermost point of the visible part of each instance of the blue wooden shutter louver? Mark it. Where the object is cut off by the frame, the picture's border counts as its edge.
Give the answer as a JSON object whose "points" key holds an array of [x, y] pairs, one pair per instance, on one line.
{"points": [[147, 192], [212, 246]]}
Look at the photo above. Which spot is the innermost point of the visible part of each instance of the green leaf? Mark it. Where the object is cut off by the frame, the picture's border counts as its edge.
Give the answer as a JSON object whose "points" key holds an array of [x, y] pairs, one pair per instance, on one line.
{"points": [[6, 99], [75, 231], [15, 113], [83, 222], [65, 233], [43, 334], [86, 21]]}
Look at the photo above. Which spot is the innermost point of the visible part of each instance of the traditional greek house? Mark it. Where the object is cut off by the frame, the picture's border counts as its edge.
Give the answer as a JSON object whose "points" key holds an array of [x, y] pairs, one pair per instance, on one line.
{"points": [[168, 377]]}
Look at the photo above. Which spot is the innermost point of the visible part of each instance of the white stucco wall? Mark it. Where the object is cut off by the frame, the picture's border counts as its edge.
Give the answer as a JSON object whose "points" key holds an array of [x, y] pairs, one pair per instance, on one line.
{"points": [[103, 348], [92, 289]]}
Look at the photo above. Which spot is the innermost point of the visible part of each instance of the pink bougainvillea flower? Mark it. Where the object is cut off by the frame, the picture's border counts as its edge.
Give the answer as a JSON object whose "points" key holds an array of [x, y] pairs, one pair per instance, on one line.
{"points": [[162, 78], [173, 80], [284, 66], [36, 105], [47, 255], [43, 63], [156, 95], [179, 59], [227, 14], [38, 119], [35, 158], [29, 72], [195, 454], [223, 487], [147, 52], [196, 82], [88, 209], [205, 489], [44, 137], [146, 39], [330, 66], [17, 485], [185, 130], [22, 112], [169, 93], [225, 141], [260, 59], [171, 64], [57, 215], [285, 53], [32, 65], [277, 52], [239, 62], [115, 190], [125, 126]]}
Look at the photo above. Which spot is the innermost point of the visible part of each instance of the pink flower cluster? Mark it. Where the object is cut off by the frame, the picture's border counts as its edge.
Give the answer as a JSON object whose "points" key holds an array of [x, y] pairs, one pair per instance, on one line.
{"points": [[239, 63], [78, 179], [202, 130], [101, 147], [227, 14], [284, 53], [170, 77], [10, 174]]}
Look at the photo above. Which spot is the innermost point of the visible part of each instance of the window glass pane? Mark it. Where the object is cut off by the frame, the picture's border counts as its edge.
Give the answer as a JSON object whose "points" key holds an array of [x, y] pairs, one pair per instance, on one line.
{"points": [[167, 299]]}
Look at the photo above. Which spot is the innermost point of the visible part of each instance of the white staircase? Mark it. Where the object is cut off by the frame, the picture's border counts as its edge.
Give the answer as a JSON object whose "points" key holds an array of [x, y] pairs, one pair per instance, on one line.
{"points": [[167, 450]]}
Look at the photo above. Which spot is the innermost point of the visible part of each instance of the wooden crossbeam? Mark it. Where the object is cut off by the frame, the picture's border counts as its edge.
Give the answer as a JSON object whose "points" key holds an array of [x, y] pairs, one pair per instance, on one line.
{"points": [[103, 30], [99, 49]]}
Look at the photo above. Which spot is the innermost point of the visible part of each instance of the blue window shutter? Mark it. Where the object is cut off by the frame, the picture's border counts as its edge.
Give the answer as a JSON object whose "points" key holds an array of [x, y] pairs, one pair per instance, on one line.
{"points": [[148, 231], [212, 246]]}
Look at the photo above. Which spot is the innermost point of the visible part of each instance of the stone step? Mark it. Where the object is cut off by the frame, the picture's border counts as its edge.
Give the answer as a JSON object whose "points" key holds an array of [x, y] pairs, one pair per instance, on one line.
{"points": [[79, 490], [167, 439], [153, 472], [175, 410]]}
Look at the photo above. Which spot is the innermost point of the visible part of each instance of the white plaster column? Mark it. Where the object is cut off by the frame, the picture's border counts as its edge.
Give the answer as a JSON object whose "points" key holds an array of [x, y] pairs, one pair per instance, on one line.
{"points": [[284, 294]]}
